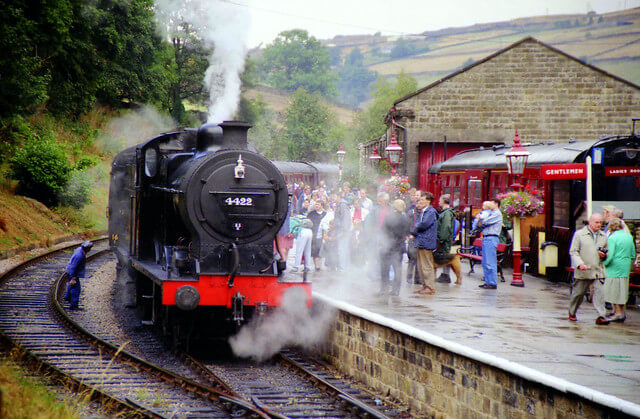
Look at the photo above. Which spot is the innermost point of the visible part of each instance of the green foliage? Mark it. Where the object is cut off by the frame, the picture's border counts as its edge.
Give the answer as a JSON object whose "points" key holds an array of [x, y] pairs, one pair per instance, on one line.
{"points": [[42, 170], [354, 79], [68, 53], [296, 60], [85, 162], [77, 192], [404, 48], [126, 39], [23, 84], [14, 131], [188, 68], [307, 122], [370, 122]]}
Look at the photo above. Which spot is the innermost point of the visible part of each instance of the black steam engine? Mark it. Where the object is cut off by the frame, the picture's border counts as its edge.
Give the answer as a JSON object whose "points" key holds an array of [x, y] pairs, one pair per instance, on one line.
{"points": [[192, 218]]}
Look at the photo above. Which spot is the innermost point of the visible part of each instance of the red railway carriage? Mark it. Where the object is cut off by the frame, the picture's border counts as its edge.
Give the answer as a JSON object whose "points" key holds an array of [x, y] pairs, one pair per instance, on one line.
{"points": [[309, 173], [559, 171]]}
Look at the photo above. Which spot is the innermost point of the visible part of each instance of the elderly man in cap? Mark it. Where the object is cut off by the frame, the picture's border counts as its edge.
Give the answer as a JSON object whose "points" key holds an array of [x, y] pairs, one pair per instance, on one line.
{"points": [[588, 251], [75, 271]]}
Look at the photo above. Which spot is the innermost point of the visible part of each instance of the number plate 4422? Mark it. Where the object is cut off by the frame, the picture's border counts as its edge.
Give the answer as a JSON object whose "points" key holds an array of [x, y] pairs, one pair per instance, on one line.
{"points": [[239, 201]]}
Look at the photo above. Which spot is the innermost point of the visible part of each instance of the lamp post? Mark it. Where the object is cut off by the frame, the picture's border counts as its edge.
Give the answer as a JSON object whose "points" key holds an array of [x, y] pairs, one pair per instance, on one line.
{"points": [[375, 158], [517, 158], [340, 155], [394, 151]]}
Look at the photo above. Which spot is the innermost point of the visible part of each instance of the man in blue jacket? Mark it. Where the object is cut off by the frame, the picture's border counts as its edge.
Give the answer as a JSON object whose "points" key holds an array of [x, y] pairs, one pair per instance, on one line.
{"points": [[75, 271], [491, 224], [425, 234]]}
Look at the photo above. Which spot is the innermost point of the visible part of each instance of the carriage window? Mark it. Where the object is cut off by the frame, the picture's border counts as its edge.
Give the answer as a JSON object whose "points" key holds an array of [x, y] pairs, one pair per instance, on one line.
{"points": [[560, 208], [474, 192], [455, 202]]}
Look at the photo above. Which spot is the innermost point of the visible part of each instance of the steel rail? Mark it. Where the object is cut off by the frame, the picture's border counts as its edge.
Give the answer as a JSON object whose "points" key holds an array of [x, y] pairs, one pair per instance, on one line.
{"points": [[357, 406]]}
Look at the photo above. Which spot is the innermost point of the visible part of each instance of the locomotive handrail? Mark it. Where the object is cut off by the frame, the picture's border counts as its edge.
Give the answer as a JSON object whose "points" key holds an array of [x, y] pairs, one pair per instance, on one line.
{"points": [[238, 193]]}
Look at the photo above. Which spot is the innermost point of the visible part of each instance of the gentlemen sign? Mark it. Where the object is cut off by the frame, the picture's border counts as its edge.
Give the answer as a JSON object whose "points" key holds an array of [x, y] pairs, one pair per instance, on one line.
{"points": [[564, 171], [622, 171]]}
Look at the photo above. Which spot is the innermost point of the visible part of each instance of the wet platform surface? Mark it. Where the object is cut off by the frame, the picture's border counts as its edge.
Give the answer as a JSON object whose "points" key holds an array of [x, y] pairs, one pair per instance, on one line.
{"points": [[525, 325]]}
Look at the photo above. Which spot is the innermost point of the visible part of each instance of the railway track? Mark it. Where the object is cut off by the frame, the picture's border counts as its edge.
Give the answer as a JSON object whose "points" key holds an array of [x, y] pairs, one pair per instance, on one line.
{"points": [[293, 386], [33, 320]]}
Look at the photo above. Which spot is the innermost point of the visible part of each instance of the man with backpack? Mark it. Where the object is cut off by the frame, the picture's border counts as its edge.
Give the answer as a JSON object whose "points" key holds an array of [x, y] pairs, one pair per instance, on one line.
{"points": [[446, 233]]}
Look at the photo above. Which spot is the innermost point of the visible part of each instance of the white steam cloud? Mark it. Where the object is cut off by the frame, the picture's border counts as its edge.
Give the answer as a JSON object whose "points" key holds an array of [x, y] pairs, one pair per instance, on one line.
{"points": [[225, 26], [132, 128], [291, 324]]}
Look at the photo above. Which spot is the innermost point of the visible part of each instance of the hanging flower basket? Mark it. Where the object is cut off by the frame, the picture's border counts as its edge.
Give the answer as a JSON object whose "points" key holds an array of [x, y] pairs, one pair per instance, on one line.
{"points": [[527, 203], [397, 187]]}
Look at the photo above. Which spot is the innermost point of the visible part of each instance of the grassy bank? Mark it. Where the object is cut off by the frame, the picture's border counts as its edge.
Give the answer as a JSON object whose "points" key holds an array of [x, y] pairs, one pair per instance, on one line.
{"points": [[27, 397]]}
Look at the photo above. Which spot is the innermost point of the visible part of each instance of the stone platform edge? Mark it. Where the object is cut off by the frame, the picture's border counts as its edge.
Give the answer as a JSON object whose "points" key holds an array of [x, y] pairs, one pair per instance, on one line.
{"points": [[434, 375]]}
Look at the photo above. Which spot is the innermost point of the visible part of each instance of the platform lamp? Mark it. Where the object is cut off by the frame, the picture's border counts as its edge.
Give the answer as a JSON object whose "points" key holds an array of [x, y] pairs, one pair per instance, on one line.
{"points": [[340, 155], [517, 158], [394, 151], [375, 158]]}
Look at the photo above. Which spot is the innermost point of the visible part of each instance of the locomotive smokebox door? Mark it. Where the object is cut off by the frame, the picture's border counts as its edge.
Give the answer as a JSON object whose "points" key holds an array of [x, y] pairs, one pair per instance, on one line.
{"points": [[236, 196]]}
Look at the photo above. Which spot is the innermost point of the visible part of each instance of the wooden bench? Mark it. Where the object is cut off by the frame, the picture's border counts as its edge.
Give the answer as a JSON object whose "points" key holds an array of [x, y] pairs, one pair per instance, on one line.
{"points": [[474, 254]]}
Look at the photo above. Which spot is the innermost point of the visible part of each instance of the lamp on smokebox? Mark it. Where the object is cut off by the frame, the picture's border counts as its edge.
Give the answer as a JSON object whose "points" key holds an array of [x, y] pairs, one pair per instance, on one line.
{"points": [[394, 151], [340, 155], [517, 158]]}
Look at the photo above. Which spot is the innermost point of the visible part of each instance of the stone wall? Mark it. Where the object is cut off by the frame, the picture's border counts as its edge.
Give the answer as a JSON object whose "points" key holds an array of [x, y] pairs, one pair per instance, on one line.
{"points": [[542, 92], [437, 382]]}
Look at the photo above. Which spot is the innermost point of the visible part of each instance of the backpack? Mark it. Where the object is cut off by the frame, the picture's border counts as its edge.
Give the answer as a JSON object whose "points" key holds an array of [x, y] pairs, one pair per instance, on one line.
{"points": [[456, 228]]}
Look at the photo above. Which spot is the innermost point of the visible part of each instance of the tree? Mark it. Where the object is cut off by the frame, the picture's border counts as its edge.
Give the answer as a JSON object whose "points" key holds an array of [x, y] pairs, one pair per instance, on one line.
{"points": [[296, 60], [26, 46], [354, 79], [308, 122], [135, 56], [402, 48], [370, 122]]}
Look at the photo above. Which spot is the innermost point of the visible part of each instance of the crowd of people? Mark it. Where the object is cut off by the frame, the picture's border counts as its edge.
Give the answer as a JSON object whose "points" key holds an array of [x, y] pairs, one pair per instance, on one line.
{"points": [[335, 229]]}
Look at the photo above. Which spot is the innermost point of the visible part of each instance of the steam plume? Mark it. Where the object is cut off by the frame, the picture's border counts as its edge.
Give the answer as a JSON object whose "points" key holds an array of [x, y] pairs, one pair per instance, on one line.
{"points": [[225, 27], [293, 323]]}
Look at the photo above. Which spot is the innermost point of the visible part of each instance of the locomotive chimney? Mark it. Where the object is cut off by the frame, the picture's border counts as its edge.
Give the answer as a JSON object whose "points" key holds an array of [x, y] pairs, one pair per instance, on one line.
{"points": [[208, 136], [235, 134]]}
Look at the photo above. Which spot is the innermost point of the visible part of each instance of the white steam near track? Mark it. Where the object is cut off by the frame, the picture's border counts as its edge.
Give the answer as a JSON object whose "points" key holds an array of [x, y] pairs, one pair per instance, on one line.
{"points": [[291, 324], [226, 27]]}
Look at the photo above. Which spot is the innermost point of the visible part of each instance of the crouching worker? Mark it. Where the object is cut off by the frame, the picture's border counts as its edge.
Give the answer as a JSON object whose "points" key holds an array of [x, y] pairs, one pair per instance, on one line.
{"points": [[75, 271]]}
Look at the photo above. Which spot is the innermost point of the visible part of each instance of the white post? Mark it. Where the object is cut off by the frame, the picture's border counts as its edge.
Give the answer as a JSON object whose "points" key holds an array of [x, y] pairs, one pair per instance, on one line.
{"points": [[589, 187]]}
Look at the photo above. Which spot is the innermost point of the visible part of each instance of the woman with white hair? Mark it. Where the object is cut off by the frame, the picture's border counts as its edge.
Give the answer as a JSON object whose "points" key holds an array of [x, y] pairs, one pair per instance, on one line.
{"points": [[617, 265]]}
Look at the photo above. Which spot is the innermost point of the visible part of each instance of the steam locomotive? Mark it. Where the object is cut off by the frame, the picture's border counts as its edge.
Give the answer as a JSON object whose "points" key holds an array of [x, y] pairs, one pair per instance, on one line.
{"points": [[192, 219]]}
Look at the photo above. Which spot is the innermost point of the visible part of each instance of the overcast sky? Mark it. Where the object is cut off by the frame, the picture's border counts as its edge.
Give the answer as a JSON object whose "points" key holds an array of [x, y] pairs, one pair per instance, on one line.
{"points": [[326, 18]]}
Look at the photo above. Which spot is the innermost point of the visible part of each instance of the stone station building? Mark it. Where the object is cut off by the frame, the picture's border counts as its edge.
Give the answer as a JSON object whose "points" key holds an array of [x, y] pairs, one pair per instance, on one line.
{"points": [[530, 86]]}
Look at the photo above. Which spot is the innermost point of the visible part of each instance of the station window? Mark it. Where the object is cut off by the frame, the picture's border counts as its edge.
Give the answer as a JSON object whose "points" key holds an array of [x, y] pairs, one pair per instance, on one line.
{"points": [[560, 207]]}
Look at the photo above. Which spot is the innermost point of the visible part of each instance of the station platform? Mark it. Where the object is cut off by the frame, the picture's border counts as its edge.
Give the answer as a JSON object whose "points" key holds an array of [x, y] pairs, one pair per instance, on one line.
{"points": [[528, 326]]}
